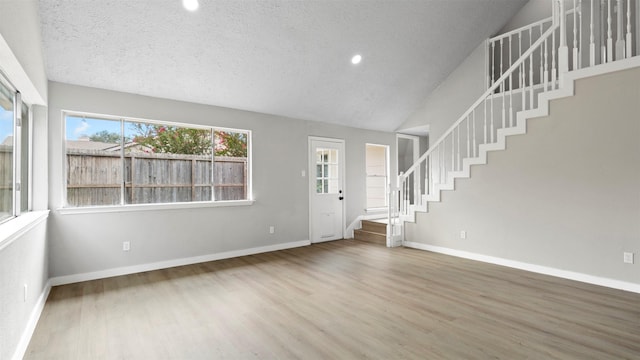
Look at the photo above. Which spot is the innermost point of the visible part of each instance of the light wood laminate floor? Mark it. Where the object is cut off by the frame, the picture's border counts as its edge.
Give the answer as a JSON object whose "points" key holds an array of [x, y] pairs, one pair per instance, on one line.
{"points": [[338, 300]]}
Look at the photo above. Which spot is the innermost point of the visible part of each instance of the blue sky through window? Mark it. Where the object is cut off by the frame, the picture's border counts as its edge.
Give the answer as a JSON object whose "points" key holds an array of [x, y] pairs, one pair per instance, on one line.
{"points": [[78, 127], [6, 123]]}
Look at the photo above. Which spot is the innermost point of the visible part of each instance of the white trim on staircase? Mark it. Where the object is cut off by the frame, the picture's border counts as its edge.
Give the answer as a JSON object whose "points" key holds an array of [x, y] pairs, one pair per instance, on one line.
{"points": [[348, 232], [545, 270]]}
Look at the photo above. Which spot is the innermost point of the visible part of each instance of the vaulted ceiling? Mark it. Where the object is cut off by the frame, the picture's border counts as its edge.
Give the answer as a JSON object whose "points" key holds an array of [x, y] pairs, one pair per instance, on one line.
{"points": [[282, 57]]}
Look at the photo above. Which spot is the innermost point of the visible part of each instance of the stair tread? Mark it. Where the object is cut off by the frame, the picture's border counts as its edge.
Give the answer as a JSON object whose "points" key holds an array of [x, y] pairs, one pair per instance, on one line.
{"points": [[371, 232]]}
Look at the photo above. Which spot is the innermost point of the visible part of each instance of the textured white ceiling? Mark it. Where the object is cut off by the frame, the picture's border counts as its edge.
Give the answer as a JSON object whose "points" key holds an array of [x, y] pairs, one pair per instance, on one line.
{"points": [[282, 57]]}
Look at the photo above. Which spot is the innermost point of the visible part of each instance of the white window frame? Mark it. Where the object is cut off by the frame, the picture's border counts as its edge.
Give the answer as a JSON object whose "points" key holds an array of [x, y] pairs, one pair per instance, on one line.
{"points": [[18, 159], [122, 207]]}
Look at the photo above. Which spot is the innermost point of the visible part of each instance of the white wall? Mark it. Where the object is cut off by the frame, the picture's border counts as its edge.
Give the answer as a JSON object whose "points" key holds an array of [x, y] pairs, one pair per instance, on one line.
{"points": [[452, 97], [566, 195], [23, 260], [83, 243], [20, 29]]}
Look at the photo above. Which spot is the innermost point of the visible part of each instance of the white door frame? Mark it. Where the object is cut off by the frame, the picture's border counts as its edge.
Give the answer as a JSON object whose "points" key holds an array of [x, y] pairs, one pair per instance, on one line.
{"points": [[312, 180], [416, 154], [416, 145]]}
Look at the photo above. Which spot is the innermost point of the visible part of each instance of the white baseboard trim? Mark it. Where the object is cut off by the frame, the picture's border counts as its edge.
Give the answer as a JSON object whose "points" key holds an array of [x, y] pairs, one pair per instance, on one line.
{"points": [[21, 349], [69, 279], [589, 279]]}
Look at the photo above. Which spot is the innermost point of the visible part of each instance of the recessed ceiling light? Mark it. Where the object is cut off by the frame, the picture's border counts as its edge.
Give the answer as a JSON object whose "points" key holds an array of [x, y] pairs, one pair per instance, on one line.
{"points": [[355, 60], [191, 5]]}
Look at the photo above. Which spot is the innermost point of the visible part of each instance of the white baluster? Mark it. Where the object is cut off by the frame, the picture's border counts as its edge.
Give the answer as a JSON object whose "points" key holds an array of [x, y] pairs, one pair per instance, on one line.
{"points": [[459, 153], [453, 150], [523, 82], [580, 45], [592, 44], [546, 65], [575, 36], [504, 111], [443, 175], [406, 196], [491, 119], [620, 47], [609, 34], [484, 132], [510, 86], [473, 115], [468, 138], [628, 37], [427, 175], [510, 60], [511, 98], [553, 61], [531, 72], [541, 60], [519, 54], [501, 60], [493, 63], [603, 33], [563, 50]]}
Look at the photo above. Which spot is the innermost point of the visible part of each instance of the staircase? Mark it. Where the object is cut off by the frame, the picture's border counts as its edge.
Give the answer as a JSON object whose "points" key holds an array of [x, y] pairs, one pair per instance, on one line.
{"points": [[528, 68], [372, 231]]}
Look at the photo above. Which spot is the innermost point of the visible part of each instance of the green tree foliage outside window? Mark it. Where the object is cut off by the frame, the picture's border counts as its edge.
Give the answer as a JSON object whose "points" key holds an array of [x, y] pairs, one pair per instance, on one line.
{"points": [[232, 144], [107, 137], [179, 140]]}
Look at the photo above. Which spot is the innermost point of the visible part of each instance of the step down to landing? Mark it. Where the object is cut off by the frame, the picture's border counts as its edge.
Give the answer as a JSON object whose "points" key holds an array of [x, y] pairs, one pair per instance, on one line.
{"points": [[372, 231]]}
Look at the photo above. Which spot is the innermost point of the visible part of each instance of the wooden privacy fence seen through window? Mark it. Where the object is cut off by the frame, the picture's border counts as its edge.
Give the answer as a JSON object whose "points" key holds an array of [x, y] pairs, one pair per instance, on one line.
{"points": [[95, 178]]}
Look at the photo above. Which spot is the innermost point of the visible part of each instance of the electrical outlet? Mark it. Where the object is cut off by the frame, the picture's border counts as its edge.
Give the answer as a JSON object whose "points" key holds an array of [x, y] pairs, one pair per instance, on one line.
{"points": [[303, 173], [25, 293], [628, 258], [463, 234], [126, 246], [272, 229]]}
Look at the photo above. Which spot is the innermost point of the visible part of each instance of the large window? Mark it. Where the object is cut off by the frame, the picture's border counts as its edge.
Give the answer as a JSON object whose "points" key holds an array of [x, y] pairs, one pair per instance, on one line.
{"points": [[14, 152], [111, 161]]}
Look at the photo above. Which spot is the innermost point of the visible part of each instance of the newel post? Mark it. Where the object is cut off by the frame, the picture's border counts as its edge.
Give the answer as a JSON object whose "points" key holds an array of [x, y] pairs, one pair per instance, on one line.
{"points": [[563, 50]]}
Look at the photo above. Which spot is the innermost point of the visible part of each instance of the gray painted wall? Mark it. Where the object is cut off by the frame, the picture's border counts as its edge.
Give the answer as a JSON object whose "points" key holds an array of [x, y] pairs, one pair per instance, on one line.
{"points": [[532, 11], [24, 261], [452, 97], [82, 243], [566, 195]]}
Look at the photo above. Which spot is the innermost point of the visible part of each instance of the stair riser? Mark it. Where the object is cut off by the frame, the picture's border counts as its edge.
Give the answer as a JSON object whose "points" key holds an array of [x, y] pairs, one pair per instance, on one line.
{"points": [[370, 237], [374, 227]]}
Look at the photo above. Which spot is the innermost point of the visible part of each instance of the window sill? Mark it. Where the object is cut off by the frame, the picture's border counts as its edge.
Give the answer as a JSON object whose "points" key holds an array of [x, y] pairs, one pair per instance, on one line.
{"points": [[14, 228], [152, 207]]}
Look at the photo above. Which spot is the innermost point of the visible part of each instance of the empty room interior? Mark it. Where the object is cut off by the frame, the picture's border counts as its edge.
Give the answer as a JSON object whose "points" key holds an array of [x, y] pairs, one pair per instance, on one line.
{"points": [[278, 179]]}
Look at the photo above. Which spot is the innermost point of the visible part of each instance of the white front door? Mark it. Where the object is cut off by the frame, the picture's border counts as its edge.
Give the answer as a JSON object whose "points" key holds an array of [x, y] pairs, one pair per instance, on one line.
{"points": [[326, 189]]}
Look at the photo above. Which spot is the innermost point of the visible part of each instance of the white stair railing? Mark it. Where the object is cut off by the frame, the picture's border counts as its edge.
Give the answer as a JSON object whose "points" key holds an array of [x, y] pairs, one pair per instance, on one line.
{"points": [[545, 51], [588, 25], [491, 117]]}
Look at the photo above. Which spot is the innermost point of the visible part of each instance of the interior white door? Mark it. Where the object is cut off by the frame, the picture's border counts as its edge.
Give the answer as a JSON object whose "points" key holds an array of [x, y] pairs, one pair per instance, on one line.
{"points": [[326, 189]]}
